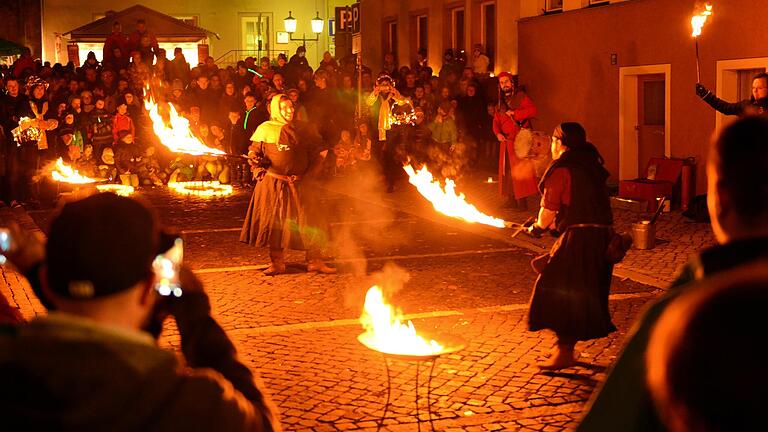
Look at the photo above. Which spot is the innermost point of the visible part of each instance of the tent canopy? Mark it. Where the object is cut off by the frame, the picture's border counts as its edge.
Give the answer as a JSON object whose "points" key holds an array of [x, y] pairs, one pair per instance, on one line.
{"points": [[9, 48]]}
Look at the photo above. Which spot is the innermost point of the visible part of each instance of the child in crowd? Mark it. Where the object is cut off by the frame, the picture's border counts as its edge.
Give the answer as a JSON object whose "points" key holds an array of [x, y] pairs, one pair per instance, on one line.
{"points": [[443, 127], [126, 155], [345, 156], [86, 164], [362, 145], [148, 168], [101, 127], [122, 121], [106, 168]]}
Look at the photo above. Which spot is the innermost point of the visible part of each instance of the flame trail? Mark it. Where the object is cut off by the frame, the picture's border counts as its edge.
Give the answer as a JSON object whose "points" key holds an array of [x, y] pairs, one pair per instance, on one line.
{"points": [[176, 135], [64, 173], [445, 199]]}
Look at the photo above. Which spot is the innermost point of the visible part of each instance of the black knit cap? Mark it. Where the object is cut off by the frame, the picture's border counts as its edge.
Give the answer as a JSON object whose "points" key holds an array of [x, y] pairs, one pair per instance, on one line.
{"points": [[573, 135], [100, 245]]}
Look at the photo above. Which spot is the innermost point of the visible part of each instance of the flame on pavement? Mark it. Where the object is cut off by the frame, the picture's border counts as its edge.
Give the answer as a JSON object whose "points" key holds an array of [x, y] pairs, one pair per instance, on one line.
{"points": [[64, 173], [698, 20], [385, 331], [445, 199], [203, 189], [117, 189], [176, 134]]}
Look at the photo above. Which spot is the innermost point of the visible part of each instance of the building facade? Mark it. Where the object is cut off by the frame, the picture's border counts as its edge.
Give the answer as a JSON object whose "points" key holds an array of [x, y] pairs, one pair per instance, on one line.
{"points": [[21, 23], [625, 69], [244, 28]]}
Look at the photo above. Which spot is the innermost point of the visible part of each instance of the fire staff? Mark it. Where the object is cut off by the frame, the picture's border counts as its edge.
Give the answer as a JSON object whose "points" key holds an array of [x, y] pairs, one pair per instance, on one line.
{"points": [[276, 215], [571, 292]]}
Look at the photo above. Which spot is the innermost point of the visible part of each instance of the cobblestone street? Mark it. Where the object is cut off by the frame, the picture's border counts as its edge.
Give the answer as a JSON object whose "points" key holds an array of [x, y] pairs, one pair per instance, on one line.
{"points": [[299, 330]]}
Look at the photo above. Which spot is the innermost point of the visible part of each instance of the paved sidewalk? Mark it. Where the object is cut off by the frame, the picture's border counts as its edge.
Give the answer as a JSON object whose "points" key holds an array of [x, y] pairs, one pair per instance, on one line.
{"points": [[299, 330], [677, 238], [13, 286]]}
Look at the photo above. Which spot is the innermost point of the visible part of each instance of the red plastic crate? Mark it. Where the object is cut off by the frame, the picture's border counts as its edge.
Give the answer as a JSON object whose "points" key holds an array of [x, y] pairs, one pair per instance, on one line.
{"points": [[667, 174]]}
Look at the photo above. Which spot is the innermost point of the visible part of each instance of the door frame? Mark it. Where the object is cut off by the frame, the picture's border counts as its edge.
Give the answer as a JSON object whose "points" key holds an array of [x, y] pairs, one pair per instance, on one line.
{"points": [[628, 115], [268, 33], [726, 76]]}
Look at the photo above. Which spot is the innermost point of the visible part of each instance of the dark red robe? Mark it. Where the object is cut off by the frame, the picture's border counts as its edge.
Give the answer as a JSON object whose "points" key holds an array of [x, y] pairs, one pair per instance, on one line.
{"points": [[522, 181]]}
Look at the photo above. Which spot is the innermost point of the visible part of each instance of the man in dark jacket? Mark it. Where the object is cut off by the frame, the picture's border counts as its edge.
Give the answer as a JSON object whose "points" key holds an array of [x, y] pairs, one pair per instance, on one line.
{"points": [[178, 68], [322, 108], [298, 66], [13, 106], [92, 363], [738, 207], [757, 104], [116, 40]]}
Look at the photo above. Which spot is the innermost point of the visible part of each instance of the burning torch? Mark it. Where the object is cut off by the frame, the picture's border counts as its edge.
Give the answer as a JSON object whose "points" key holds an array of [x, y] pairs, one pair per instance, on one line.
{"points": [[697, 22]]}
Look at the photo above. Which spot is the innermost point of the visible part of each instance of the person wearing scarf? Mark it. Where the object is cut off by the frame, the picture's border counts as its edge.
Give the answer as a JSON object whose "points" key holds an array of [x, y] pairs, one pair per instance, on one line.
{"points": [[276, 215], [571, 293], [381, 101]]}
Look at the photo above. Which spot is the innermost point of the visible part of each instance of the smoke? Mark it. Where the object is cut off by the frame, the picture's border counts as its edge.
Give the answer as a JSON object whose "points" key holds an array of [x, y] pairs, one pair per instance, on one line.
{"points": [[366, 221], [391, 279], [365, 225]]}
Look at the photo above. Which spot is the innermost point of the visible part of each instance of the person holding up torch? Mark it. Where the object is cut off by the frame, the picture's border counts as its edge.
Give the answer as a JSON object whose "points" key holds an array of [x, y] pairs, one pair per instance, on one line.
{"points": [[757, 104]]}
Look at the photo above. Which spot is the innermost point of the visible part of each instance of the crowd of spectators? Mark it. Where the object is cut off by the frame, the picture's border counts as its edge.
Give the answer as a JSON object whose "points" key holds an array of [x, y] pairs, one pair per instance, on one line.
{"points": [[94, 118]]}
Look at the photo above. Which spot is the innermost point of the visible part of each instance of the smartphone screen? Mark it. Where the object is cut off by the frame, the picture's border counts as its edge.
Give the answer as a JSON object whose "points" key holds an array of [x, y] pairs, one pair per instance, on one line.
{"points": [[5, 244], [166, 267]]}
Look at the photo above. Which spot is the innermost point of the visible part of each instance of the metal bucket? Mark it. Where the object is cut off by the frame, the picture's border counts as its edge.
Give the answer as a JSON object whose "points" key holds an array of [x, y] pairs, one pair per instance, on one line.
{"points": [[644, 235]]}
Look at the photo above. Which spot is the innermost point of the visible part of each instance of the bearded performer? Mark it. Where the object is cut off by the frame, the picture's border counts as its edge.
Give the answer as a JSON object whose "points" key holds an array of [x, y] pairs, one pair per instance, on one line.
{"points": [[276, 215], [517, 177]]}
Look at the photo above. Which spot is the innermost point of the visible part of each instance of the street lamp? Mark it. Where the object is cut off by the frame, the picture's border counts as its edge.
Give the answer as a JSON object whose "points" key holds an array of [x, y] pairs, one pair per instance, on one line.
{"points": [[290, 24], [317, 24], [290, 28]]}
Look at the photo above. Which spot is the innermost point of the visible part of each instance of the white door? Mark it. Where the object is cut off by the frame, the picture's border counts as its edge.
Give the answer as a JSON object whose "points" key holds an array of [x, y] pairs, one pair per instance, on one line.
{"points": [[254, 31]]}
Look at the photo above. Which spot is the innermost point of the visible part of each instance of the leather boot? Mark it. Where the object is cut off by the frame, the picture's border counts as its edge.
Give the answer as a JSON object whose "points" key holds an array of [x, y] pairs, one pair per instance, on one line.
{"points": [[277, 265], [318, 266]]}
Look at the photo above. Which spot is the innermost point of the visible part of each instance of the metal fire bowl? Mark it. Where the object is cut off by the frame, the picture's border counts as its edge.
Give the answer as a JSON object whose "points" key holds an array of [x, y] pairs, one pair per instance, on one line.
{"points": [[450, 343]]}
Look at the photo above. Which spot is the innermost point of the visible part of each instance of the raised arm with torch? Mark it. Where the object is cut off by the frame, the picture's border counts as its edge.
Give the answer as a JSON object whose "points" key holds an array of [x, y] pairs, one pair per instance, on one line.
{"points": [[697, 22]]}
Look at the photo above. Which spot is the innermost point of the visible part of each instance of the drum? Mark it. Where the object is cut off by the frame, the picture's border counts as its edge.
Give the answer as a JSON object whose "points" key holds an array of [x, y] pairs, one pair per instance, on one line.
{"points": [[523, 143]]}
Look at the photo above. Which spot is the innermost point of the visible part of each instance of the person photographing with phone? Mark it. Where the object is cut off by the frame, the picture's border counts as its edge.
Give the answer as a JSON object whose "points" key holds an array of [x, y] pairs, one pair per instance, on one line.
{"points": [[93, 362], [381, 100], [8, 313]]}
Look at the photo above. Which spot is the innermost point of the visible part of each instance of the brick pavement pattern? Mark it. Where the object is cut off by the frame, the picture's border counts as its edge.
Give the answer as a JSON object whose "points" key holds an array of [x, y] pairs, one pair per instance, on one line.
{"points": [[299, 330]]}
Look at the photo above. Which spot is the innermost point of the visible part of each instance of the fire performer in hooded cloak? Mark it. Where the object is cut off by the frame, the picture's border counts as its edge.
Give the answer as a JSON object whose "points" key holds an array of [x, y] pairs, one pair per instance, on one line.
{"points": [[517, 176], [571, 292], [276, 215]]}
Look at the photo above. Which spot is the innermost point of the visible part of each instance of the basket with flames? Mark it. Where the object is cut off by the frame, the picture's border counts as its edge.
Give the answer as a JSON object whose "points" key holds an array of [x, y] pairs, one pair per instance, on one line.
{"points": [[387, 331]]}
